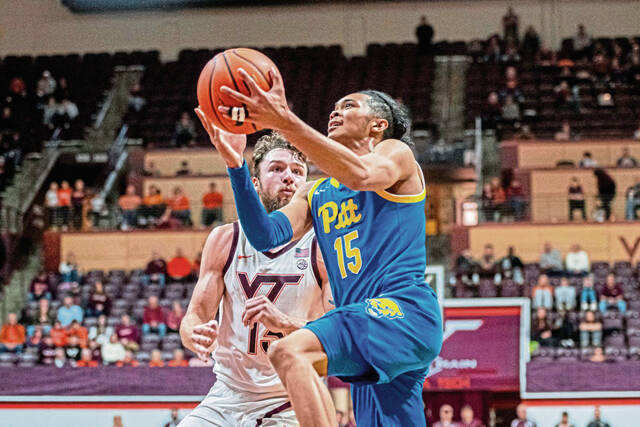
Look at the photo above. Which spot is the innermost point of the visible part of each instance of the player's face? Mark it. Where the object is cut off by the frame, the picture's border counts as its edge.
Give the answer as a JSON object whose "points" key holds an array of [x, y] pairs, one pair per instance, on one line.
{"points": [[350, 118], [281, 173]]}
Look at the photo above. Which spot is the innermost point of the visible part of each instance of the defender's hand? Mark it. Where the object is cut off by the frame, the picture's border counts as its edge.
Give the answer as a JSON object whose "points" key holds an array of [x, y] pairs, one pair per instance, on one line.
{"points": [[229, 145], [204, 338], [260, 309]]}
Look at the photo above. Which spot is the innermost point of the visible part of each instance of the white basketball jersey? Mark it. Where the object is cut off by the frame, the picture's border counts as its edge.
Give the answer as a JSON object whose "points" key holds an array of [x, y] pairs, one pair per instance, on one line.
{"points": [[289, 278]]}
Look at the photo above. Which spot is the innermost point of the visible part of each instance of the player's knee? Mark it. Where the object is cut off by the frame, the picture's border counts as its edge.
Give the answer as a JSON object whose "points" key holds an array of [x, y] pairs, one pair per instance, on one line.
{"points": [[279, 354]]}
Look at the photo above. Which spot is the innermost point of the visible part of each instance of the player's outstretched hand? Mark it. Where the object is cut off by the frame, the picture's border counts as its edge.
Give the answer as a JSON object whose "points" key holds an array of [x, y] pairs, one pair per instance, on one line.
{"points": [[260, 309], [230, 146], [204, 338], [266, 109]]}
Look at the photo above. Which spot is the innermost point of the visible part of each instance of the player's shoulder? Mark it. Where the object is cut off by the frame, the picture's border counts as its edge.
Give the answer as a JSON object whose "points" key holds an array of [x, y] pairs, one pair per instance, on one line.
{"points": [[220, 242]]}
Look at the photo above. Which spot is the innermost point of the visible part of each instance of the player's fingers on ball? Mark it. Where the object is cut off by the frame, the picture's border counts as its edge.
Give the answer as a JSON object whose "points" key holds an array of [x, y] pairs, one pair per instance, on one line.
{"points": [[276, 79], [254, 89], [236, 95]]}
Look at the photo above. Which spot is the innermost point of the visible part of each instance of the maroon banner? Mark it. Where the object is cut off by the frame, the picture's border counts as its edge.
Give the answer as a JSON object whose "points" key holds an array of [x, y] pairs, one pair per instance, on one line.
{"points": [[481, 350]]}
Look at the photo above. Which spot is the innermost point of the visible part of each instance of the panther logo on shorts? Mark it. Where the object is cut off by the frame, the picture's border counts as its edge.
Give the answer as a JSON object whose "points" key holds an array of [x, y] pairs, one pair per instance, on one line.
{"points": [[384, 307]]}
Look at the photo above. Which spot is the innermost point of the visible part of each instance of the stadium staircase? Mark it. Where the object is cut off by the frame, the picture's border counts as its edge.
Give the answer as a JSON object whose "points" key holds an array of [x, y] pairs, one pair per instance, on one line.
{"points": [[448, 96], [14, 294]]}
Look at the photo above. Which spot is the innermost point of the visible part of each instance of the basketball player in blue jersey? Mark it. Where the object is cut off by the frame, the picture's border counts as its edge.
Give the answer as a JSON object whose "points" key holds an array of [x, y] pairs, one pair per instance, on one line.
{"points": [[370, 225]]}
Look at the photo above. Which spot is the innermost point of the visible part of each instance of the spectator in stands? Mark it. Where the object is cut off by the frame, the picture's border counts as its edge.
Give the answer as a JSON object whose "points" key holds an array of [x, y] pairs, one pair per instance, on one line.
{"points": [[68, 269], [58, 334], [564, 329], [567, 96], [597, 422], [72, 349], [43, 317], [39, 288], [524, 133], [424, 34], [590, 330], [510, 111], [49, 111], [99, 303], [52, 205], [487, 268], [178, 360], [156, 359], [551, 260], [588, 298], [530, 44], [128, 360], [62, 91], [179, 206], [101, 331], [587, 160], [12, 335], [136, 101], [521, 420], [612, 296], [46, 85], [565, 133], [446, 417], [179, 267], [511, 266], [576, 199], [112, 351], [185, 131], [86, 359], [67, 114], [492, 111], [626, 160], [96, 350], [35, 340], [174, 317], [153, 205], [565, 295], [128, 333], [565, 421], [465, 266], [542, 293], [211, 206], [510, 22], [598, 355], [129, 204], [47, 351], [174, 419], [516, 200], [156, 270], [632, 202], [498, 197], [96, 209], [577, 261], [582, 43], [487, 209], [64, 202], [69, 312], [606, 191], [77, 203], [61, 361], [467, 419], [80, 332], [151, 170], [184, 170], [153, 318]]}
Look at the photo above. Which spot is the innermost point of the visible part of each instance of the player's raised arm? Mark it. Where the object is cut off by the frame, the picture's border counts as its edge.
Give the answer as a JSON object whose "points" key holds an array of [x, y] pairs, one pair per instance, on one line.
{"points": [[199, 329], [353, 162], [264, 231]]}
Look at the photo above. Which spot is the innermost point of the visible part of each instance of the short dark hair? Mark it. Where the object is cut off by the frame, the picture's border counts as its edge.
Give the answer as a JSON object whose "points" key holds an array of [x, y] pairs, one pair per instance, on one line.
{"points": [[270, 142], [385, 107]]}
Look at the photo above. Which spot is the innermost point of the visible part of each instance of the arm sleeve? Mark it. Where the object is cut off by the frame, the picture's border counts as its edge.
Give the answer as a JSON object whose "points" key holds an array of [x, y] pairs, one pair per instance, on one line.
{"points": [[264, 231]]}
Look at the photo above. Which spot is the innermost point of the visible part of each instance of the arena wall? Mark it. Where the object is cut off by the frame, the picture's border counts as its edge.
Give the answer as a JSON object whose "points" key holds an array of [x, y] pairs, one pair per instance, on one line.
{"points": [[616, 412], [47, 27]]}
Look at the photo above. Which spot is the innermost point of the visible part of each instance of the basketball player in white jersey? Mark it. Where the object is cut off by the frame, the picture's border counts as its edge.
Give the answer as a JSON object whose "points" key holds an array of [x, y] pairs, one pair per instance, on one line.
{"points": [[264, 297]]}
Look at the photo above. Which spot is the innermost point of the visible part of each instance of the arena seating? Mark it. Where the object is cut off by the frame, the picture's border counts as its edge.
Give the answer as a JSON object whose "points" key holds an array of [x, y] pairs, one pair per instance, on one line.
{"points": [[314, 78]]}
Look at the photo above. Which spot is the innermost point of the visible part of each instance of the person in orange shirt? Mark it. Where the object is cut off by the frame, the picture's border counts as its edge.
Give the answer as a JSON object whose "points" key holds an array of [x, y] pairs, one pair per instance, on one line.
{"points": [[64, 202], [86, 361], [211, 206], [156, 359], [129, 203], [12, 336], [178, 359], [179, 205], [128, 360], [153, 205], [77, 330], [179, 267], [58, 334]]}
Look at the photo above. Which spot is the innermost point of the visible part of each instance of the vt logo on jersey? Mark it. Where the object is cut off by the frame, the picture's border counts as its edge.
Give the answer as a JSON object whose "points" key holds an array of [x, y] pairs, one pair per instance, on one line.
{"points": [[345, 216], [277, 281], [384, 307]]}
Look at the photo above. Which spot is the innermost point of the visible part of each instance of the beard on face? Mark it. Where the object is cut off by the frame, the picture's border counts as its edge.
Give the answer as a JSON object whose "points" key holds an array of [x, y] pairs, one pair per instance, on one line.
{"points": [[272, 202]]}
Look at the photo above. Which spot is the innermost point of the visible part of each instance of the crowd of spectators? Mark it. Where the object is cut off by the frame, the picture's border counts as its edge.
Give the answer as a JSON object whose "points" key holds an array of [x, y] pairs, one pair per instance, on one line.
{"points": [[470, 271], [500, 202], [66, 207], [78, 321]]}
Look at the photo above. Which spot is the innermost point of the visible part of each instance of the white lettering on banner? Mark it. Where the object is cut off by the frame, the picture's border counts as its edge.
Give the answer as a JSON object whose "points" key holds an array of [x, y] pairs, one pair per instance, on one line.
{"points": [[450, 328]]}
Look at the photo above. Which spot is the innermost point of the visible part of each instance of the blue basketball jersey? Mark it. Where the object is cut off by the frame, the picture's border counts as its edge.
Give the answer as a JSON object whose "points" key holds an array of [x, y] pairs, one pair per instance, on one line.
{"points": [[372, 241]]}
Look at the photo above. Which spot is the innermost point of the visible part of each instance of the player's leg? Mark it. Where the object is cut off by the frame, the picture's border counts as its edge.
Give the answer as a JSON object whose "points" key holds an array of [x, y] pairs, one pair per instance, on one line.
{"points": [[299, 360], [216, 410]]}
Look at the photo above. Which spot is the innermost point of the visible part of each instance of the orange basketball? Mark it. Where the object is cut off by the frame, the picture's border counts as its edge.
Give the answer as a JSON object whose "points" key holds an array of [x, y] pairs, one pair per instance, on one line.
{"points": [[222, 70]]}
